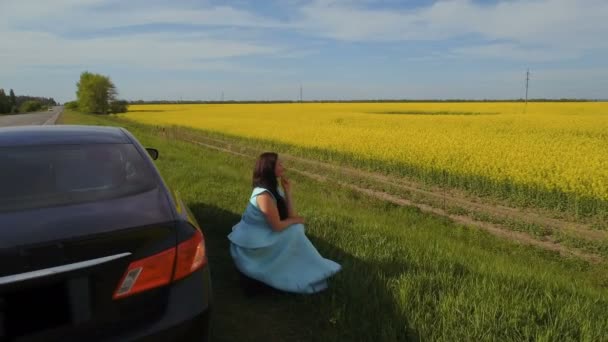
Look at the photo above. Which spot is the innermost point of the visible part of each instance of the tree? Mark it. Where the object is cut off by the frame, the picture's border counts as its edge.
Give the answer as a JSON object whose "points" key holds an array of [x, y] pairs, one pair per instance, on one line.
{"points": [[44, 101], [4, 102], [119, 106], [30, 106], [13, 99], [71, 105], [95, 93]]}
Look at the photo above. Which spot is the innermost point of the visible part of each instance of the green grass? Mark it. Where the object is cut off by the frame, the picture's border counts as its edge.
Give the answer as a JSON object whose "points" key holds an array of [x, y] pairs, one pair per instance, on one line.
{"points": [[406, 275]]}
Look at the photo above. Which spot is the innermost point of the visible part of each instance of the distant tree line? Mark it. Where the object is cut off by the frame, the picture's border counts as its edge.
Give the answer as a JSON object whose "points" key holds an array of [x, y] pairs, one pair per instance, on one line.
{"points": [[97, 94], [12, 104], [355, 101]]}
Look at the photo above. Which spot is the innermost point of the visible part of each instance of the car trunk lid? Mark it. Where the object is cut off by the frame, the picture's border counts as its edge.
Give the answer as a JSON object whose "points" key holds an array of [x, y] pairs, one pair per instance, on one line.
{"points": [[59, 267]]}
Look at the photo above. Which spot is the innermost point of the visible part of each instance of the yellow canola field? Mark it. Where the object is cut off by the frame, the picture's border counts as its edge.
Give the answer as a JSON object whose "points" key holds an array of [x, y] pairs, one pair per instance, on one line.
{"points": [[553, 146]]}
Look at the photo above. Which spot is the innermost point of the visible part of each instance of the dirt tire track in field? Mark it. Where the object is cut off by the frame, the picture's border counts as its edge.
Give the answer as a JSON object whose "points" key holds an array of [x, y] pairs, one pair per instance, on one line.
{"points": [[579, 229], [494, 229]]}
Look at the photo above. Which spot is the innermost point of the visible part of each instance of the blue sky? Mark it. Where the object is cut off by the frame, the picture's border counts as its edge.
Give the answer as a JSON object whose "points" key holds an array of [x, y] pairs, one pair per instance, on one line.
{"points": [[336, 49]]}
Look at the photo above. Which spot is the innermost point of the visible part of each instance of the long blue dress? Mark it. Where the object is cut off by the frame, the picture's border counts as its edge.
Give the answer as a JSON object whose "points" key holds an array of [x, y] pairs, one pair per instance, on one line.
{"points": [[285, 260]]}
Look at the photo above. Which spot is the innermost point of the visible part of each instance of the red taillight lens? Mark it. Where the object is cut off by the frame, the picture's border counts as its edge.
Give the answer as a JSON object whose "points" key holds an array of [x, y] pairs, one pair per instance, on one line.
{"points": [[191, 256], [157, 270], [145, 274]]}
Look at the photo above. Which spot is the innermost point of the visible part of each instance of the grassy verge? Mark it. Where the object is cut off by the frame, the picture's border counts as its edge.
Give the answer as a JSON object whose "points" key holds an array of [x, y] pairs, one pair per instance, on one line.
{"points": [[406, 275]]}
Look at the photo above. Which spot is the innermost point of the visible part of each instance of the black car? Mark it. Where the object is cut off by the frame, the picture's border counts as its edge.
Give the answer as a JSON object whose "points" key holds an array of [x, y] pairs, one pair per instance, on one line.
{"points": [[93, 244]]}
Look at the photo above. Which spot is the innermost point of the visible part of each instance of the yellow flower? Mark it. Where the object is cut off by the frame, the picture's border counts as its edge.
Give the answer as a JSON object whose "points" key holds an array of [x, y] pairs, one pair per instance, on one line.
{"points": [[553, 146]]}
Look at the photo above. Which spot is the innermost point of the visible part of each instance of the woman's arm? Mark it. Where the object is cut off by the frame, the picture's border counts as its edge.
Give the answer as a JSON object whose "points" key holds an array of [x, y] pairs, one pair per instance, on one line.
{"points": [[269, 208], [286, 184], [291, 211]]}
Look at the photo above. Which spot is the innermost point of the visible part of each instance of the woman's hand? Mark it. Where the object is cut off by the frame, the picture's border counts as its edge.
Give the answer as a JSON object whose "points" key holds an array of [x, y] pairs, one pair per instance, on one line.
{"points": [[286, 184], [298, 219]]}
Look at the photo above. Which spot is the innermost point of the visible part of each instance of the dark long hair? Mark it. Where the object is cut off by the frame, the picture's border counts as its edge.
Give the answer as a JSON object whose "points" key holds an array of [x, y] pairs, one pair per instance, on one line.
{"points": [[264, 177]]}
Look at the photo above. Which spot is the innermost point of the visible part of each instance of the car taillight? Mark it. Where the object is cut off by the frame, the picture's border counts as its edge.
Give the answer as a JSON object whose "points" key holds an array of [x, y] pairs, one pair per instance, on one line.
{"points": [[158, 270], [190, 256], [147, 273]]}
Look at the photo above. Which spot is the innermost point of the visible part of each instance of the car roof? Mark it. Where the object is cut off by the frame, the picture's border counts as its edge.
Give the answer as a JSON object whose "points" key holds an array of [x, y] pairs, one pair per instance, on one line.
{"points": [[61, 135]]}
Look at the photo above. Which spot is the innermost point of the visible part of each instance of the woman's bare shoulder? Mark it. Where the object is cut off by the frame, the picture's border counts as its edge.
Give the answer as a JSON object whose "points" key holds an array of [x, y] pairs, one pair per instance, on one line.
{"points": [[265, 196]]}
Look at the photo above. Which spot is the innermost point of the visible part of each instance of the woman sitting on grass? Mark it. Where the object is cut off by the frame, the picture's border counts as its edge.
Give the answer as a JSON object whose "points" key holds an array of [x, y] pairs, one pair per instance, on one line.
{"points": [[269, 244]]}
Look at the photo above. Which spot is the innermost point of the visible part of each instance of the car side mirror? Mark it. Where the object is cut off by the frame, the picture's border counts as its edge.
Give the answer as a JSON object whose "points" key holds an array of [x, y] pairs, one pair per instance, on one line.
{"points": [[153, 153]]}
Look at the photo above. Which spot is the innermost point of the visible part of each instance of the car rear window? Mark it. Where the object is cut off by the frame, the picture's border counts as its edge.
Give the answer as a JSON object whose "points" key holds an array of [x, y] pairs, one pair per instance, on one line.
{"points": [[53, 175]]}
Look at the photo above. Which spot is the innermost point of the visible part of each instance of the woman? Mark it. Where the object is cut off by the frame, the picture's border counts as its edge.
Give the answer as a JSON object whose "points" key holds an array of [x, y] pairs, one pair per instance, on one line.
{"points": [[269, 244]]}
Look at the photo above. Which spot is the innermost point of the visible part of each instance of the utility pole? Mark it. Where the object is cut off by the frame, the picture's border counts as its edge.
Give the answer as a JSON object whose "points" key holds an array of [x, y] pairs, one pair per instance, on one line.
{"points": [[527, 83], [222, 96], [300, 93]]}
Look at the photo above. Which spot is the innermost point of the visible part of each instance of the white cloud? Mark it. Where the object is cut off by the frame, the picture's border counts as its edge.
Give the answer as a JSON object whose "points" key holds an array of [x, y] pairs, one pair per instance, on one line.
{"points": [[514, 52], [520, 30], [75, 15], [74, 35], [45, 42], [140, 50], [567, 26], [34, 33]]}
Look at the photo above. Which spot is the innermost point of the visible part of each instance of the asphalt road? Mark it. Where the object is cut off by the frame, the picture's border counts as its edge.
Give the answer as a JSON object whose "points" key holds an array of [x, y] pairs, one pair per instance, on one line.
{"points": [[28, 119]]}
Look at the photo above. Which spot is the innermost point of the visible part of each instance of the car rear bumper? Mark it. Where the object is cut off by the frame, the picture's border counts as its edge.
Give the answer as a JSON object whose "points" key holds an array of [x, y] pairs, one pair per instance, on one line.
{"points": [[186, 317]]}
